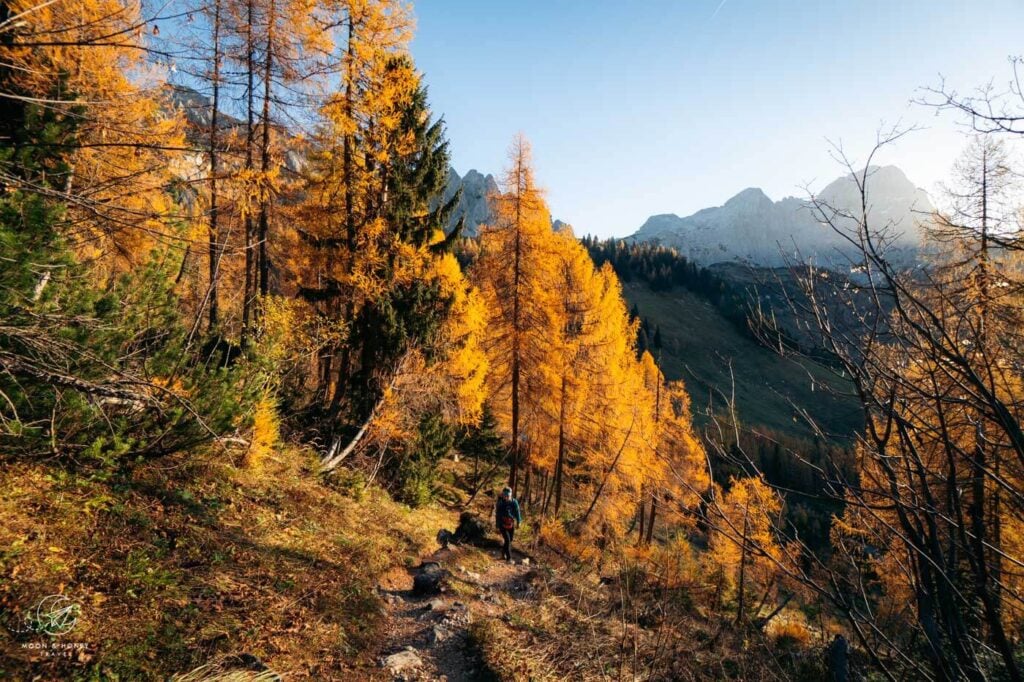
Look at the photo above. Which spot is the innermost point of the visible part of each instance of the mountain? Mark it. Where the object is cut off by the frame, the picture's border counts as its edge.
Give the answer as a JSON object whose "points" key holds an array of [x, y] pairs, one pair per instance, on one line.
{"points": [[197, 109], [753, 229], [562, 226], [473, 204]]}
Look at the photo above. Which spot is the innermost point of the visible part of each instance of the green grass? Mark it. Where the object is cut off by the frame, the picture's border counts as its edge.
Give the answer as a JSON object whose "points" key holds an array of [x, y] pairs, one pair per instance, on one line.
{"points": [[700, 346]]}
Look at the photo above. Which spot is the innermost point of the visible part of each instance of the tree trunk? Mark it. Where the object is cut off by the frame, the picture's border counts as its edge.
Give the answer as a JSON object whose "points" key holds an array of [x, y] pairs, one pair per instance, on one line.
{"points": [[743, 570], [560, 461], [650, 519], [526, 485], [214, 248], [250, 141], [642, 516], [264, 221]]}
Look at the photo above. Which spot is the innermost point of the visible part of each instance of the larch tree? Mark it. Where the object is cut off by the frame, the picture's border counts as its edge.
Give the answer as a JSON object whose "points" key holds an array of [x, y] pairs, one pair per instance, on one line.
{"points": [[931, 352], [743, 543], [96, 343], [278, 51], [374, 230], [677, 468], [512, 271]]}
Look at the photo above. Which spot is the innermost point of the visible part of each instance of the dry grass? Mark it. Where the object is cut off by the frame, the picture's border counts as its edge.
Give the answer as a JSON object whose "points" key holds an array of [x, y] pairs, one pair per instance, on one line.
{"points": [[635, 628], [189, 559]]}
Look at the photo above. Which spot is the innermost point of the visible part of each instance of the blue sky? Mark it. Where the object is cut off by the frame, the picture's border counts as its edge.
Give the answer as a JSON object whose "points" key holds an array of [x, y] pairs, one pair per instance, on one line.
{"points": [[654, 106]]}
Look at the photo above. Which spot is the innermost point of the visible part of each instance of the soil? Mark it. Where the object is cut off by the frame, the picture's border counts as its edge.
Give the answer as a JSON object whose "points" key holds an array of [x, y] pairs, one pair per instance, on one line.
{"points": [[435, 629]]}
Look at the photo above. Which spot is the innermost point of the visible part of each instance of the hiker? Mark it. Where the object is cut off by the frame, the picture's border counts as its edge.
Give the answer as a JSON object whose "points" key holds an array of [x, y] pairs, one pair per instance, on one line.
{"points": [[507, 518]]}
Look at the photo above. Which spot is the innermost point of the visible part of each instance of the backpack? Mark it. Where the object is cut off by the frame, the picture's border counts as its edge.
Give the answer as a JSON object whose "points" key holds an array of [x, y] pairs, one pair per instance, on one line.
{"points": [[508, 520]]}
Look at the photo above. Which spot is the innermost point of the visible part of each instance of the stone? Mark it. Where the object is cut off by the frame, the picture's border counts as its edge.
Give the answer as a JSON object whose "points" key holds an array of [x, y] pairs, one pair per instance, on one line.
{"points": [[403, 661], [437, 605], [428, 580], [525, 562], [445, 537], [438, 634], [471, 529]]}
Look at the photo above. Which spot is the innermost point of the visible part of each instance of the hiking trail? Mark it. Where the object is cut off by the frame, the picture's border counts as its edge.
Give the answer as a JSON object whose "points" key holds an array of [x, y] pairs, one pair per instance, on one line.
{"points": [[427, 637]]}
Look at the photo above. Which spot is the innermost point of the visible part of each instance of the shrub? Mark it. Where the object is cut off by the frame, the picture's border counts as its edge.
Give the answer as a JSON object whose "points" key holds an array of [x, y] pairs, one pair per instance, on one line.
{"points": [[789, 633]]}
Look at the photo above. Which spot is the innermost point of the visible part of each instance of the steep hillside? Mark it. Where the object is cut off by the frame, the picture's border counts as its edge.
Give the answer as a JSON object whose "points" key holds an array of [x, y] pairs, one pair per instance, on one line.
{"points": [[706, 350], [192, 561]]}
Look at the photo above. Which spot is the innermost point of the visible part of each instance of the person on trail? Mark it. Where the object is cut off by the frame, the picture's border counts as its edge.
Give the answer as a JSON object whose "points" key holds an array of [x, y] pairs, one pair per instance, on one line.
{"points": [[507, 518]]}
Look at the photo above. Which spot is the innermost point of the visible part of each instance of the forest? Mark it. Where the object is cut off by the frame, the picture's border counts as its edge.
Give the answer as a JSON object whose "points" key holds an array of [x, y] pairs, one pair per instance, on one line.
{"points": [[249, 379]]}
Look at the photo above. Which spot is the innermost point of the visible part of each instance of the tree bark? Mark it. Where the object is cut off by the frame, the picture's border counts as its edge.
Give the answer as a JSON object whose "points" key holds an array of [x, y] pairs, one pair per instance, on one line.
{"points": [[214, 246]]}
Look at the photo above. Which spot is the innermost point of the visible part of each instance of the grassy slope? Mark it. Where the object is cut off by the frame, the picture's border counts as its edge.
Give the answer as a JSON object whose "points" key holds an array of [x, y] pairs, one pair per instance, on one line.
{"points": [[189, 559], [699, 345]]}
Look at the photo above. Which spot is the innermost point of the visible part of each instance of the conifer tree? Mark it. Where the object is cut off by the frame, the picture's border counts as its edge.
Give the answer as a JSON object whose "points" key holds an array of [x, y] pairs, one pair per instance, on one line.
{"points": [[483, 443], [511, 271], [743, 544], [377, 267], [96, 352]]}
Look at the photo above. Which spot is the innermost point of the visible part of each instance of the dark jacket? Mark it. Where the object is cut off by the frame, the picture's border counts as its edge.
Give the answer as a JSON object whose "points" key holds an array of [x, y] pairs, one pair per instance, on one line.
{"points": [[505, 509]]}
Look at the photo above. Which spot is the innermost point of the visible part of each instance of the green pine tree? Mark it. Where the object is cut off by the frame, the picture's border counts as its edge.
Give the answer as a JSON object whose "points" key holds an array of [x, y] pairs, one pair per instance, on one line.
{"points": [[417, 467], [410, 203], [484, 444]]}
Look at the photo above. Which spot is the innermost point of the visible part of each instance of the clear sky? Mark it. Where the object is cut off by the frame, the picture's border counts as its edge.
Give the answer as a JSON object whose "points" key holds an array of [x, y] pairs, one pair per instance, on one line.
{"points": [[660, 106]]}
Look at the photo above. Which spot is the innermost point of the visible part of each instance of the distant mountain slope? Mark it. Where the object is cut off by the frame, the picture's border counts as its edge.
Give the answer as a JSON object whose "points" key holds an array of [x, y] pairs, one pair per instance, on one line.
{"points": [[751, 228], [197, 109], [707, 351]]}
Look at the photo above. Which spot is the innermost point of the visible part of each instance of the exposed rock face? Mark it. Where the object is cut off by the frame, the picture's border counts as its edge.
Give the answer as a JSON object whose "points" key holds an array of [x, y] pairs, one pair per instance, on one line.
{"points": [[752, 228], [473, 204], [562, 226], [197, 109], [476, 187]]}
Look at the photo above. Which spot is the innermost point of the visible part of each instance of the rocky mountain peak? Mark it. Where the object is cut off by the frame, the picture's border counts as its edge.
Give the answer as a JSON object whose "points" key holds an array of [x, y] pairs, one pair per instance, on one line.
{"points": [[752, 198], [752, 228]]}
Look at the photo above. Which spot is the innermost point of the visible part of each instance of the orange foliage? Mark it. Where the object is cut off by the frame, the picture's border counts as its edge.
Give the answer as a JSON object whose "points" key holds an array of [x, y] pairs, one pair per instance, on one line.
{"points": [[600, 428]]}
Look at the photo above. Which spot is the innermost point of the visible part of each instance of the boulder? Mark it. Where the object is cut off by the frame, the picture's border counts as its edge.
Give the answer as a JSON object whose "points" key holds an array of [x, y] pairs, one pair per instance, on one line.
{"points": [[439, 605], [472, 529], [428, 580], [403, 662], [445, 537]]}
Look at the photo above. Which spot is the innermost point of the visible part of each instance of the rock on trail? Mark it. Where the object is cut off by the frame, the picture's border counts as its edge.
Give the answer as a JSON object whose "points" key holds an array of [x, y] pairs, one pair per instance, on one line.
{"points": [[427, 624]]}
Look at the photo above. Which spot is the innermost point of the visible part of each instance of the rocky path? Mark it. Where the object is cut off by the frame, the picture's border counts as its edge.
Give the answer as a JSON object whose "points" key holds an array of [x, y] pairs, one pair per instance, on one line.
{"points": [[427, 636]]}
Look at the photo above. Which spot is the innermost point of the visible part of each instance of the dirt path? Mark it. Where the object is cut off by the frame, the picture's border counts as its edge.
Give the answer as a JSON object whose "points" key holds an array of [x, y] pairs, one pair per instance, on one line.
{"points": [[427, 636]]}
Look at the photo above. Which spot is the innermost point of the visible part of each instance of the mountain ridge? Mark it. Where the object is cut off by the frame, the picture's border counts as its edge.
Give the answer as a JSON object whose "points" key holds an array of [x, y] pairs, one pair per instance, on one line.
{"points": [[750, 227], [476, 187]]}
